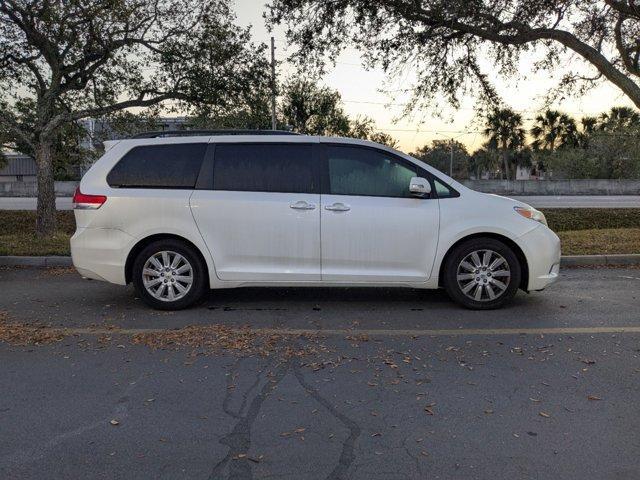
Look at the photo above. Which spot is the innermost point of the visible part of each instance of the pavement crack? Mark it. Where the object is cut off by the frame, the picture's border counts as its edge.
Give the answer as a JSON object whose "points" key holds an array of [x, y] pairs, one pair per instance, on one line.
{"points": [[239, 439], [231, 388], [347, 456]]}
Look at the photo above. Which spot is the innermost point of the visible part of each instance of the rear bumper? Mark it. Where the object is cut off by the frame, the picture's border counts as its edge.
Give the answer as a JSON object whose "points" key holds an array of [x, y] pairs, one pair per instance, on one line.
{"points": [[541, 247], [100, 253]]}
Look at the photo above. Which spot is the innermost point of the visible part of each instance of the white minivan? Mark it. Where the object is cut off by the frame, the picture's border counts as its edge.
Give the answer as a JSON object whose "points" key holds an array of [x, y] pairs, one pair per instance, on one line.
{"points": [[180, 213]]}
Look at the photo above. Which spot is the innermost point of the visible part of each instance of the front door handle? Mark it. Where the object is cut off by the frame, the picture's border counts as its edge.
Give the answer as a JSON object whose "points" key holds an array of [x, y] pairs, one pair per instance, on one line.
{"points": [[338, 207], [302, 205]]}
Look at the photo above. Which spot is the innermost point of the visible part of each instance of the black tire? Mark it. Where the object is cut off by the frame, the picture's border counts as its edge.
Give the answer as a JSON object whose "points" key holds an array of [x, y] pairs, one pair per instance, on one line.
{"points": [[197, 288], [455, 290]]}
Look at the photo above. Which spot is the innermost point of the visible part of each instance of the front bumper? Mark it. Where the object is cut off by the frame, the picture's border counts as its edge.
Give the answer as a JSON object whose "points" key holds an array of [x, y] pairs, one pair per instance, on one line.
{"points": [[541, 247]]}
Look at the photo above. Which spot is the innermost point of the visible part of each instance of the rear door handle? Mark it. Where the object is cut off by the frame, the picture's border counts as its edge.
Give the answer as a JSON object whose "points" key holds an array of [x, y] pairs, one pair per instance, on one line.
{"points": [[302, 205], [338, 207]]}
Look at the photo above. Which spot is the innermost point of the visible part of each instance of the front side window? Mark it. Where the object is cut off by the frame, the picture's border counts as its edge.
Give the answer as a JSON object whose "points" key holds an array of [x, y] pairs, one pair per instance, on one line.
{"points": [[444, 191], [159, 166], [364, 171], [284, 168]]}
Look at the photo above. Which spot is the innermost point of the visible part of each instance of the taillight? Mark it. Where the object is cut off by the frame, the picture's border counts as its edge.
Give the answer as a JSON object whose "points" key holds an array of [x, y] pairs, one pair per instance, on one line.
{"points": [[82, 201]]}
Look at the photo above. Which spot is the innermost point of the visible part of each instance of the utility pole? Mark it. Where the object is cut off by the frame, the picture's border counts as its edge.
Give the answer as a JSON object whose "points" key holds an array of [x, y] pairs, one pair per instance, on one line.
{"points": [[273, 84], [451, 159], [451, 145]]}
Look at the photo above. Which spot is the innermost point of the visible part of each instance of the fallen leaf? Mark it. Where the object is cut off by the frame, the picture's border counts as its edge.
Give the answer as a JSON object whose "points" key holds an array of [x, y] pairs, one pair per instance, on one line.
{"points": [[544, 414], [593, 397], [114, 422]]}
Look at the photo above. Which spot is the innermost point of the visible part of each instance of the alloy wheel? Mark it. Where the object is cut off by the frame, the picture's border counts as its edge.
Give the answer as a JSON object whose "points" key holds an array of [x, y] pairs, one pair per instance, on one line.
{"points": [[167, 276], [483, 275]]}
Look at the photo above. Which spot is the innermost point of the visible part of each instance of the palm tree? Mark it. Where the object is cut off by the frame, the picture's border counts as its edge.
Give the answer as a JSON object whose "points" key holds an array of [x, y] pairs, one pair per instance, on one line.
{"points": [[589, 124], [589, 127], [504, 128], [485, 159], [554, 129], [618, 118]]}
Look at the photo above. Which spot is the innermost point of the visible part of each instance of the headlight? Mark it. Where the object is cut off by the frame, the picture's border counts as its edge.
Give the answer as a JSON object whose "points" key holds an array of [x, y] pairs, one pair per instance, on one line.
{"points": [[532, 213]]}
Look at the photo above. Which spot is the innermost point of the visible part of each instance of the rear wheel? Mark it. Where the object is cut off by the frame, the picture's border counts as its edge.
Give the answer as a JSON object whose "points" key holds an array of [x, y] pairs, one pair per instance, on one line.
{"points": [[482, 274], [169, 275]]}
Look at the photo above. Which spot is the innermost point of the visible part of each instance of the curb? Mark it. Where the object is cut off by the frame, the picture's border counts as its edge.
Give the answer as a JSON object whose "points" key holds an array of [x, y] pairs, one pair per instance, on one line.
{"points": [[613, 259], [38, 262], [566, 261]]}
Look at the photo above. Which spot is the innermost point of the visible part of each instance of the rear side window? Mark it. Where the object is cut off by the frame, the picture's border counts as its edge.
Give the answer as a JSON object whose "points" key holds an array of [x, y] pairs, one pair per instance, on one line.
{"points": [[159, 166], [368, 172], [285, 168]]}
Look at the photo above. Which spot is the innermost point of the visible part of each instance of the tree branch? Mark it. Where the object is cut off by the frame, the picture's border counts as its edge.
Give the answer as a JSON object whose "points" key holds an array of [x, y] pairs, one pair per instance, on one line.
{"points": [[524, 34]]}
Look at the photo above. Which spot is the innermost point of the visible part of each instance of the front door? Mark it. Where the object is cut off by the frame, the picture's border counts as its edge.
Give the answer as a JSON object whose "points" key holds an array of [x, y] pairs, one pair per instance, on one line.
{"points": [[261, 220], [372, 229]]}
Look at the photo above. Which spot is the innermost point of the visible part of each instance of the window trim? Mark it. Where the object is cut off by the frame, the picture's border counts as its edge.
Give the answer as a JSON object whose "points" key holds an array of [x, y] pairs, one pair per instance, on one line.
{"points": [[454, 192], [421, 172], [155, 187], [205, 176], [208, 179]]}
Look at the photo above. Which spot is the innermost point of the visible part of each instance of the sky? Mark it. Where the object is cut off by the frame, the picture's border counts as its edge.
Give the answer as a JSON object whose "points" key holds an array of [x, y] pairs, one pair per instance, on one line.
{"points": [[362, 93]]}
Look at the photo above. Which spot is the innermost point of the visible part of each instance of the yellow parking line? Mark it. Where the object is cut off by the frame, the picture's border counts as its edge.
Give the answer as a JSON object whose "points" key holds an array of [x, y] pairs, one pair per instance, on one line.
{"points": [[384, 332]]}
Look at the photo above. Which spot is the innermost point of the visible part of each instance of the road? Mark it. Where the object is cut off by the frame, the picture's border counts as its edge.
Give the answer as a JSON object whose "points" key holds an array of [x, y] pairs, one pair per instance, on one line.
{"points": [[28, 203], [567, 201], [392, 384]]}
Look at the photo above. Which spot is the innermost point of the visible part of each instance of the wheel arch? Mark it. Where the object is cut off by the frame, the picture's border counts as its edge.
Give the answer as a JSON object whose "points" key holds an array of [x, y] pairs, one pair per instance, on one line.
{"points": [[522, 259], [141, 244]]}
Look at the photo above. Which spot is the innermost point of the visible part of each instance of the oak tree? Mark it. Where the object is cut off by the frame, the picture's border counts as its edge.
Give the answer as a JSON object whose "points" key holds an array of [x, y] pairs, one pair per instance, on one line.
{"points": [[75, 59], [457, 47]]}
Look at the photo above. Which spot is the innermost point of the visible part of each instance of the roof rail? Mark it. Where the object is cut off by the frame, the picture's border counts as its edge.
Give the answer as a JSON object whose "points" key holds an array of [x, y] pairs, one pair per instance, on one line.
{"points": [[190, 133]]}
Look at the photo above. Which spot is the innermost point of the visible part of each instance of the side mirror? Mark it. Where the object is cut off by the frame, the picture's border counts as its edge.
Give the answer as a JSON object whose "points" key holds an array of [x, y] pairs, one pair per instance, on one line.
{"points": [[419, 187]]}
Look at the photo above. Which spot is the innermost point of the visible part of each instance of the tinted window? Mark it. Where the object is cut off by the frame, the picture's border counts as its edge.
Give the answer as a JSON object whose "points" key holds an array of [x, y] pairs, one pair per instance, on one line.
{"points": [[443, 190], [286, 168], [159, 166], [366, 171]]}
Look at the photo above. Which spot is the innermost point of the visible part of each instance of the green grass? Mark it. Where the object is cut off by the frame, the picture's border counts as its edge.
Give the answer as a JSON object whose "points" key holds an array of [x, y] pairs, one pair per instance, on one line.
{"points": [[582, 231], [565, 219], [17, 234], [599, 242]]}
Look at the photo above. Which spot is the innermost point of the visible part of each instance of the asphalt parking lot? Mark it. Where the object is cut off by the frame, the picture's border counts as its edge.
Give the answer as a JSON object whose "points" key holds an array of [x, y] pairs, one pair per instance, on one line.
{"points": [[365, 384]]}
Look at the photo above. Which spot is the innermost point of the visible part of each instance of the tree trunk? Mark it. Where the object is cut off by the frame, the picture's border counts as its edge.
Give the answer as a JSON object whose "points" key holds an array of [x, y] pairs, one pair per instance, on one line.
{"points": [[505, 163], [46, 215]]}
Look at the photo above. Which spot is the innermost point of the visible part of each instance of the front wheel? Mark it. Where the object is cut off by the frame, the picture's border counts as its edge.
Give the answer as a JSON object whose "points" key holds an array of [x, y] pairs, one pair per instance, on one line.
{"points": [[169, 275], [482, 274]]}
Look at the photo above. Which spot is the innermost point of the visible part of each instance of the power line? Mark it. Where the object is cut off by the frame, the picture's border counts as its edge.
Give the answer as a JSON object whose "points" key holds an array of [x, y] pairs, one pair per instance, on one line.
{"points": [[533, 111], [419, 130]]}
